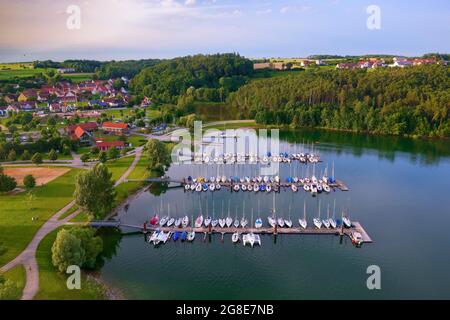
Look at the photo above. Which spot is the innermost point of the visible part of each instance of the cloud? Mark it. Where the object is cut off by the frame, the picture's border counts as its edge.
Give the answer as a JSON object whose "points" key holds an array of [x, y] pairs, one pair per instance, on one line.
{"points": [[294, 9], [190, 2], [263, 11]]}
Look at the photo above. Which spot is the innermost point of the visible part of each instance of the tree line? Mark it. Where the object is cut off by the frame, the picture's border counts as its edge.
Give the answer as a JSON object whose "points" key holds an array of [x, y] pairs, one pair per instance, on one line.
{"points": [[410, 101]]}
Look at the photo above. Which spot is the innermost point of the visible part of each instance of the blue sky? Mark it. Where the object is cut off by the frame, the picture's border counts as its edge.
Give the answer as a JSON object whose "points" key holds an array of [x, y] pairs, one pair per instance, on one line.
{"points": [[133, 29]]}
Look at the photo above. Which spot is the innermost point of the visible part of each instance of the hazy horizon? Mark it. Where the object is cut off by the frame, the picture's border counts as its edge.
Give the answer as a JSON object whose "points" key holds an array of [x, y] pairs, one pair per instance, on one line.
{"points": [[142, 29]]}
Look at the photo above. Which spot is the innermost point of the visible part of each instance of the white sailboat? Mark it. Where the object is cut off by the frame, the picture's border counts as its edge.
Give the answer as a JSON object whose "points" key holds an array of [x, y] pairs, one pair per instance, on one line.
{"points": [[229, 220], [317, 222], [332, 220], [235, 237], [302, 221], [326, 222], [346, 221]]}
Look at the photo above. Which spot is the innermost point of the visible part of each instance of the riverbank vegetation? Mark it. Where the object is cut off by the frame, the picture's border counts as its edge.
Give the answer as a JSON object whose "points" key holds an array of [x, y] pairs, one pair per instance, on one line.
{"points": [[394, 101]]}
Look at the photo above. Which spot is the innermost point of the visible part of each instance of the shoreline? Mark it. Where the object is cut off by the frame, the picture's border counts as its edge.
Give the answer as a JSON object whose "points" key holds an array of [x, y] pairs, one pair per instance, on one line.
{"points": [[110, 292]]}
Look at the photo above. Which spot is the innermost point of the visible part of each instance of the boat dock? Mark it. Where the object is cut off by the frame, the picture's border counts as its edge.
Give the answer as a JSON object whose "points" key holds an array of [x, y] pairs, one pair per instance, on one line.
{"points": [[339, 231], [338, 184]]}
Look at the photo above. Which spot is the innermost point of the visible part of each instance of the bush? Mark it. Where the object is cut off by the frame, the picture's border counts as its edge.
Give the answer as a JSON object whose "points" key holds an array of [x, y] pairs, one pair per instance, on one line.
{"points": [[26, 155], [12, 156], [102, 157], [7, 183], [84, 157], [113, 153], [52, 155], [29, 182], [9, 290], [36, 158]]}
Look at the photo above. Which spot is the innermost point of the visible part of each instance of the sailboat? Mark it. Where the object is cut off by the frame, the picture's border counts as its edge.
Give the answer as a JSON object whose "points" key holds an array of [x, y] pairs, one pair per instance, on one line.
{"points": [[280, 222], [199, 221], [258, 223], [177, 222], [154, 220], [346, 221], [222, 220], [175, 236], [333, 220], [326, 222], [235, 237], [244, 221], [236, 220], [185, 221], [288, 222], [191, 236], [317, 221], [229, 220], [302, 221]]}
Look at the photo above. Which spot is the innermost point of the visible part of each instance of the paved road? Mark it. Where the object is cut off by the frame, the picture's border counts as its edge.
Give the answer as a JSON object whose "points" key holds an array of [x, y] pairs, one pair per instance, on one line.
{"points": [[28, 256]]}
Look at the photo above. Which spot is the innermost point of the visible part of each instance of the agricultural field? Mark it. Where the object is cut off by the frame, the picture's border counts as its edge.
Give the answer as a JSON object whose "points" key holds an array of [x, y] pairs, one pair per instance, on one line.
{"points": [[21, 70]]}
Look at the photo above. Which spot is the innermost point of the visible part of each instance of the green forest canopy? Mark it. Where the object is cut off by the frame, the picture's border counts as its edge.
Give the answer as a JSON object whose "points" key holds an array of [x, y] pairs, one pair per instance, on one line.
{"points": [[169, 79], [410, 101]]}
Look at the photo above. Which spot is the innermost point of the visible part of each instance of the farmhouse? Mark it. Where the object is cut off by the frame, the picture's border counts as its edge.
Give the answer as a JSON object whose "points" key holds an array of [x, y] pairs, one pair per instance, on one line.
{"points": [[82, 136], [26, 95], [117, 128]]}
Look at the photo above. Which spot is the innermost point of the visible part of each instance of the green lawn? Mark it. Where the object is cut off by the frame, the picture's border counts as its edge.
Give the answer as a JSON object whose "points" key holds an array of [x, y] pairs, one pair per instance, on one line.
{"points": [[136, 141], [9, 71], [52, 284], [78, 77], [17, 274], [16, 211], [119, 166]]}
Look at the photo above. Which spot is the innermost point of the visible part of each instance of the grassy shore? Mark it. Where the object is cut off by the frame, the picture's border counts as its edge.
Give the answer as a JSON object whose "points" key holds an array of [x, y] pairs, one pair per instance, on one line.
{"points": [[16, 225]]}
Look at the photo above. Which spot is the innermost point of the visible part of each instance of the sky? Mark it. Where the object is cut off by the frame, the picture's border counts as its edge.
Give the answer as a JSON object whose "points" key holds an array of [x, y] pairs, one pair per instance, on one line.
{"points": [[137, 29]]}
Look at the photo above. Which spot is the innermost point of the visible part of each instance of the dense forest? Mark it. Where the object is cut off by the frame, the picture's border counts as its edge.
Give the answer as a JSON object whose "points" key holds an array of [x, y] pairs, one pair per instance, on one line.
{"points": [[168, 80], [128, 68], [410, 101]]}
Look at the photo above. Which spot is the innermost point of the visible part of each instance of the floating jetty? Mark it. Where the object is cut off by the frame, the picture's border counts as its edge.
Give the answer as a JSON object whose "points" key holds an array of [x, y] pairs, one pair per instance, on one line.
{"points": [[340, 231]]}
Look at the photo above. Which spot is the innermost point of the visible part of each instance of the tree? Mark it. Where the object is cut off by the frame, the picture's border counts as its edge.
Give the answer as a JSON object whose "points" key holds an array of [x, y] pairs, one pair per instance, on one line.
{"points": [[26, 155], [9, 290], [12, 155], [102, 157], [29, 182], [84, 157], [94, 191], [67, 250], [91, 244], [36, 158], [113, 153], [158, 155], [52, 155], [7, 183]]}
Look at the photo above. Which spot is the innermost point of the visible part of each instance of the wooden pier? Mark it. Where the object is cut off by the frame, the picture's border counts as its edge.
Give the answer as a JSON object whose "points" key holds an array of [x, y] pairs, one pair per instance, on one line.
{"points": [[356, 227]]}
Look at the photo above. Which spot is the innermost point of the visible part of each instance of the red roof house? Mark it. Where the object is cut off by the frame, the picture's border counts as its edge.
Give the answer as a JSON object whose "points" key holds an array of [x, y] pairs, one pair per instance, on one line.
{"points": [[105, 145], [118, 128]]}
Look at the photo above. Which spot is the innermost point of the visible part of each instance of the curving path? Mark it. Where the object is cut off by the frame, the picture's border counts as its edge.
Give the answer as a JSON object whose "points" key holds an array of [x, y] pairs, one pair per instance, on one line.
{"points": [[28, 257]]}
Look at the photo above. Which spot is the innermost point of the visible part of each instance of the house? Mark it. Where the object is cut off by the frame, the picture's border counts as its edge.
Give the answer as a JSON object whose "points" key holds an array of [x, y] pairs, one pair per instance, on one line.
{"points": [[86, 126], [27, 95], [42, 96], [401, 63], [3, 111], [9, 99], [117, 128], [306, 63], [421, 61], [320, 62], [82, 136], [105, 145], [65, 70], [22, 106], [261, 66], [346, 65], [57, 107], [146, 102]]}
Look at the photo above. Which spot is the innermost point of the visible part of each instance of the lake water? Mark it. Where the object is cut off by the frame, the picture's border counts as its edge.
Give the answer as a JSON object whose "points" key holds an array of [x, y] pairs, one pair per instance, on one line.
{"points": [[399, 192]]}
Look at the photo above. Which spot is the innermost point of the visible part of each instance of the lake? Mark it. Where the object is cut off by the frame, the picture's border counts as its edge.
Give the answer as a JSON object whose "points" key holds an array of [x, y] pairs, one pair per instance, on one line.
{"points": [[399, 192]]}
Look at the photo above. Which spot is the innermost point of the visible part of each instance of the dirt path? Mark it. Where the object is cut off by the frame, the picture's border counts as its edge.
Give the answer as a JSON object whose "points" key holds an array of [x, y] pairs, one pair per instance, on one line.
{"points": [[28, 256]]}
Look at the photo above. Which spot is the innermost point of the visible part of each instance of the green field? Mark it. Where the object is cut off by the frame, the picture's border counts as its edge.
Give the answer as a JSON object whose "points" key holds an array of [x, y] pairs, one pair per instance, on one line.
{"points": [[16, 227], [52, 284], [21, 70]]}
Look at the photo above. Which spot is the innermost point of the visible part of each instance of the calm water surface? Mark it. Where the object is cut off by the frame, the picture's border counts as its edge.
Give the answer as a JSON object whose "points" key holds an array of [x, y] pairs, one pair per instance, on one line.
{"points": [[399, 191]]}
